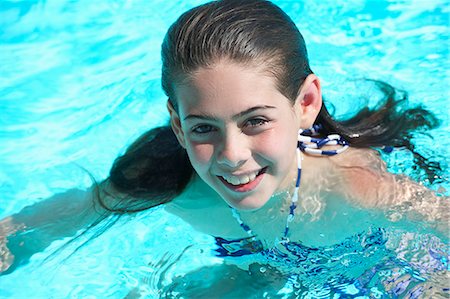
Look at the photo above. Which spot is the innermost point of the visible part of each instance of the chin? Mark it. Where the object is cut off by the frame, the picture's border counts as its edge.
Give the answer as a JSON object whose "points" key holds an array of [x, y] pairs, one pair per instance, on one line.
{"points": [[247, 204]]}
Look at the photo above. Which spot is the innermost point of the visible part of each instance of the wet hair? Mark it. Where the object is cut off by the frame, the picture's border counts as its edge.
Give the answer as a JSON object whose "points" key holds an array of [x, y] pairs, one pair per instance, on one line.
{"points": [[155, 168], [246, 32]]}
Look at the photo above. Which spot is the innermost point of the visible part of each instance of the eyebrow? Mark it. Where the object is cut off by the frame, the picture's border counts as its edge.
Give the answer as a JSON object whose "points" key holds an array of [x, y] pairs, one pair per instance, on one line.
{"points": [[239, 115]]}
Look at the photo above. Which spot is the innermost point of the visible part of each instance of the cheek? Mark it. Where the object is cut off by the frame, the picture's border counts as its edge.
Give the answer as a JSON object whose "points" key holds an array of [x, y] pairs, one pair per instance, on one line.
{"points": [[200, 155], [278, 144]]}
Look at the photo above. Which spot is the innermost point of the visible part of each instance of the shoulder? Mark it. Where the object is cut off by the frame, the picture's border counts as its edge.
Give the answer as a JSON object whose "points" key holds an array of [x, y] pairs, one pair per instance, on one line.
{"points": [[354, 167], [357, 158], [364, 179], [366, 182]]}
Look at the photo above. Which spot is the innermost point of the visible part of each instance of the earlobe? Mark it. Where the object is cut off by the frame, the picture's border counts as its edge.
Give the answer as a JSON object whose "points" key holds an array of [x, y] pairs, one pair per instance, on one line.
{"points": [[175, 123], [309, 101]]}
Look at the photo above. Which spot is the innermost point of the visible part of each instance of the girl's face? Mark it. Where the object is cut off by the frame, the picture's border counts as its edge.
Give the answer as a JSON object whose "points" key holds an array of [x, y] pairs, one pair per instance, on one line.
{"points": [[239, 131]]}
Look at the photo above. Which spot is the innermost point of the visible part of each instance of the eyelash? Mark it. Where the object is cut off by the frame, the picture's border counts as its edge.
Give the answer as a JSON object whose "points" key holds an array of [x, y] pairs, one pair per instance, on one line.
{"points": [[251, 123], [195, 130], [259, 122]]}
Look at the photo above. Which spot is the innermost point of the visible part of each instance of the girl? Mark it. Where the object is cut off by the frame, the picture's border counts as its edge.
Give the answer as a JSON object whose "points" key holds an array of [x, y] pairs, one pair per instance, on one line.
{"points": [[259, 161]]}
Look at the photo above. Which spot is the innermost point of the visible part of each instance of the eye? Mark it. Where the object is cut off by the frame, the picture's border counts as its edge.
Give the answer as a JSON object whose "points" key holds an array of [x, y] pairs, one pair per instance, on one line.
{"points": [[203, 129], [256, 122]]}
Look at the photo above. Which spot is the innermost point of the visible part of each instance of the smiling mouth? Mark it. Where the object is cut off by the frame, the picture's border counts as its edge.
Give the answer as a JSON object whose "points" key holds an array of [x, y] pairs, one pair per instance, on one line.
{"points": [[243, 183]]}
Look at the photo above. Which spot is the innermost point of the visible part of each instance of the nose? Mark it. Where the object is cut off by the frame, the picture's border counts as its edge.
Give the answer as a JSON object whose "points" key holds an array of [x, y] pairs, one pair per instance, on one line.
{"points": [[234, 150]]}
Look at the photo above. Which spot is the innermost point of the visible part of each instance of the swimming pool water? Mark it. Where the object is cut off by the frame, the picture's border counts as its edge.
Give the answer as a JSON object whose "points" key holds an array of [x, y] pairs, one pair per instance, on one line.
{"points": [[80, 81]]}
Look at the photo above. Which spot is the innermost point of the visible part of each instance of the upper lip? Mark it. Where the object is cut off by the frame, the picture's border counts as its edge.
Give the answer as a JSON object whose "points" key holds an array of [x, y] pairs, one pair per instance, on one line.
{"points": [[241, 173]]}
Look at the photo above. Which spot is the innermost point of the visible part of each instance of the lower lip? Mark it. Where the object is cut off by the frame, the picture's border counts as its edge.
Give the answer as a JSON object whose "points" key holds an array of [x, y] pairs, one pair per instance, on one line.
{"points": [[245, 187]]}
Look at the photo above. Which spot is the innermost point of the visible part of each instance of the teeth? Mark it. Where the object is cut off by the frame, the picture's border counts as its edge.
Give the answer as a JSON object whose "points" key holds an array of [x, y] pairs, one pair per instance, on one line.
{"points": [[239, 180]]}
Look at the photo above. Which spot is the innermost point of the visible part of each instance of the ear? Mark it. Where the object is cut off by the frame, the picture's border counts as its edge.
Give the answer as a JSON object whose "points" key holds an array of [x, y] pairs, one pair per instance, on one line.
{"points": [[309, 101], [175, 123]]}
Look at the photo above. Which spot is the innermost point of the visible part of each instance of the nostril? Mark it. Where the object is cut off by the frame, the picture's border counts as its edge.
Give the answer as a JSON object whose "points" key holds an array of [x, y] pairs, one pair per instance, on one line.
{"points": [[232, 158], [230, 163]]}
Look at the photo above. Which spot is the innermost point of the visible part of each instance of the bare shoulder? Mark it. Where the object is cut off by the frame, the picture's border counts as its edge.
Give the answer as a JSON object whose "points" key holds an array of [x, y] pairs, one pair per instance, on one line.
{"points": [[363, 159], [363, 177], [364, 174], [364, 180], [357, 173]]}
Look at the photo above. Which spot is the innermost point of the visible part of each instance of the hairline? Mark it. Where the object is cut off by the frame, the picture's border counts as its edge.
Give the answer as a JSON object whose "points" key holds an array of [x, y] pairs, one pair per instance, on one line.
{"points": [[265, 65]]}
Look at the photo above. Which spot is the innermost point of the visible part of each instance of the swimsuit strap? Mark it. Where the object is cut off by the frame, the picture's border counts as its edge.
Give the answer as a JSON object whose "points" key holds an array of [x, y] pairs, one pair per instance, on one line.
{"points": [[312, 145]]}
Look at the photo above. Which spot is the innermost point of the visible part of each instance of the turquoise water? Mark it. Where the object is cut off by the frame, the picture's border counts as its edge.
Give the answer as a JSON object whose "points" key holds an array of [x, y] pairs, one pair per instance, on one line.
{"points": [[80, 81]]}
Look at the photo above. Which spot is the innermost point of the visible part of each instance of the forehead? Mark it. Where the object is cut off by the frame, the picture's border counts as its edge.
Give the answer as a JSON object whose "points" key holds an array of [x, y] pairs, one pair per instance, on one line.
{"points": [[227, 87]]}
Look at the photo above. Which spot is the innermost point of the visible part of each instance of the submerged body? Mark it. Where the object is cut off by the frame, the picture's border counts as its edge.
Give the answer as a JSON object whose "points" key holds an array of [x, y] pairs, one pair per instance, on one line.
{"points": [[383, 244], [366, 236]]}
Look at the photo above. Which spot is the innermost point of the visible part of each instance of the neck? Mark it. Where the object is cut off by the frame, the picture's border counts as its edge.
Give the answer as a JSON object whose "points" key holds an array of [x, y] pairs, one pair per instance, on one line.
{"points": [[282, 198], [277, 205]]}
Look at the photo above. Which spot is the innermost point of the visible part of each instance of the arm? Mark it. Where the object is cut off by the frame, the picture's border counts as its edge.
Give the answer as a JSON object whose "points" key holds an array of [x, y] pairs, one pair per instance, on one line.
{"points": [[35, 227]]}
